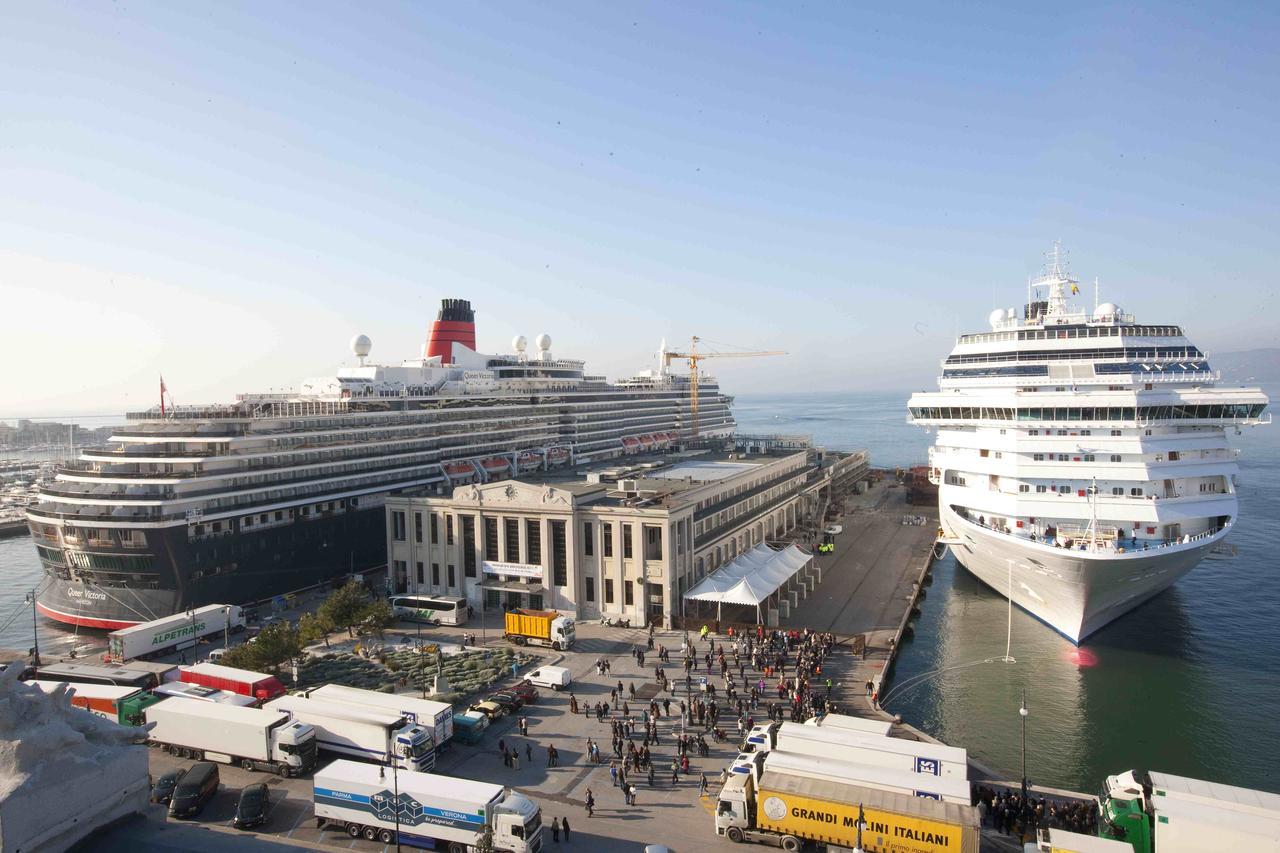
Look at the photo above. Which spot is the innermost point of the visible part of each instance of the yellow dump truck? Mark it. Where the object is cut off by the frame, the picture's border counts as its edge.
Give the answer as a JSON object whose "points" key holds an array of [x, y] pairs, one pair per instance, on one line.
{"points": [[788, 811], [540, 628]]}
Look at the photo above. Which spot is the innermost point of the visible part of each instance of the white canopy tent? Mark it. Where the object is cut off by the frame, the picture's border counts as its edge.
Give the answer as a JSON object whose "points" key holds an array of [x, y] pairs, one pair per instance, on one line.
{"points": [[751, 577]]}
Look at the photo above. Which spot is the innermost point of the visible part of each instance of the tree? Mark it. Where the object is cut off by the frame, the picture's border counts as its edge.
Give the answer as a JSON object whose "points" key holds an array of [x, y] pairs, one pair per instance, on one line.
{"points": [[377, 616], [484, 844], [241, 657], [345, 607], [313, 627], [276, 644]]}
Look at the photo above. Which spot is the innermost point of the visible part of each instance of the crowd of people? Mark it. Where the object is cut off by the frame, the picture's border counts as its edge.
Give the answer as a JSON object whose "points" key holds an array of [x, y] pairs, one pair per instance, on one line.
{"points": [[1003, 809]]}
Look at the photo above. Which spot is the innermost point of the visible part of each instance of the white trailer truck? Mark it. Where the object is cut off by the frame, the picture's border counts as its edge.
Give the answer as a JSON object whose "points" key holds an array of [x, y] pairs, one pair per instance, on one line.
{"points": [[173, 633], [882, 778], [435, 717], [857, 748], [438, 812], [254, 738], [363, 733]]}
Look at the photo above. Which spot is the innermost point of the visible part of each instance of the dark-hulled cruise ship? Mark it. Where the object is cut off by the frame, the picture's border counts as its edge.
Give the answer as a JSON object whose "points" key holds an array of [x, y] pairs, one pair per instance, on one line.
{"points": [[187, 506]]}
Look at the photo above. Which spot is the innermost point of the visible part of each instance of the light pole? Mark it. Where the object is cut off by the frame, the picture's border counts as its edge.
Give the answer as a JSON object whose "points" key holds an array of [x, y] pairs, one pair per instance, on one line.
{"points": [[422, 673], [1023, 712], [35, 630], [226, 627]]}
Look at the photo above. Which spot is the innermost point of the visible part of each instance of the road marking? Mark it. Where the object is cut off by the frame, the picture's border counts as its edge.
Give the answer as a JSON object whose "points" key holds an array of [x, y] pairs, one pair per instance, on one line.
{"points": [[301, 813]]}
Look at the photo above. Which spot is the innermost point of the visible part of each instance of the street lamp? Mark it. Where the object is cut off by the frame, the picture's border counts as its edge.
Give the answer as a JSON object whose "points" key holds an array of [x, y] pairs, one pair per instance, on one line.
{"points": [[35, 630], [1023, 712]]}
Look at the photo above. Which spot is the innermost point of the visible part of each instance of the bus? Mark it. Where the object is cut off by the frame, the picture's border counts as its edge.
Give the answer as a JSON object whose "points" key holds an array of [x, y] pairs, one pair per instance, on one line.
{"points": [[82, 673], [432, 609]]}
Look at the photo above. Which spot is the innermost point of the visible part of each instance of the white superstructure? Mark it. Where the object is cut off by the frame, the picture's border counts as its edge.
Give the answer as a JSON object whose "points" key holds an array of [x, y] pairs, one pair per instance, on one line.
{"points": [[1082, 458]]}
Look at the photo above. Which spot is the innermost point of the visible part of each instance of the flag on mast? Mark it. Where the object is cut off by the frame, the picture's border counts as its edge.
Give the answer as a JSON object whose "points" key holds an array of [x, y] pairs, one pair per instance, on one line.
{"points": [[162, 412]]}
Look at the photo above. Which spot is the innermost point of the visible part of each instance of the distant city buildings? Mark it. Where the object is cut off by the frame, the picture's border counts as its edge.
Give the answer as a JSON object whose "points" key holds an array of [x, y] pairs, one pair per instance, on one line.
{"points": [[28, 434]]}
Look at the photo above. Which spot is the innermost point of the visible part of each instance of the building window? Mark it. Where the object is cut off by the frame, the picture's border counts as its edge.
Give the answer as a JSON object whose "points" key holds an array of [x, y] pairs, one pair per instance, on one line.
{"points": [[1117, 490], [591, 589], [626, 541], [453, 580], [435, 529], [533, 540], [397, 526], [1115, 457], [421, 575], [1042, 489], [468, 546], [491, 539], [417, 527], [588, 539], [606, 546], [1137, 493], [448, 531], [652, 541], [608, 591], [559, 566], [435, 574], [628, 597], [1037, 457], [1024, 488], [511, 528]]}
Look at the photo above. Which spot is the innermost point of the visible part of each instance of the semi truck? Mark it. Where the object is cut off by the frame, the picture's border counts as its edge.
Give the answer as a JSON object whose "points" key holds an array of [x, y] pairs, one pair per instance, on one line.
{"points": [[1163, 813], [246, 682], [436, 812], [906, 782], [173, 633], [363, 733], [435, 717], [121, 704], [204, 694], [790, 811], [857, 724], [540, 628], [253, 738], [856, 748]]}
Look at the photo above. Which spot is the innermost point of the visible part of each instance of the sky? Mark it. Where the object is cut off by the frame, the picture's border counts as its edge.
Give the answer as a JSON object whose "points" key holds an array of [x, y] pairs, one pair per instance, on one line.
{"points": [[226, 193]]}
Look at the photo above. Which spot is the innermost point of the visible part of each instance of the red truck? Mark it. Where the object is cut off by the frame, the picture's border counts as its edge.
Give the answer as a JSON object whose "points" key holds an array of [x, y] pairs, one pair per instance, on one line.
{"points": [[259, 685]]}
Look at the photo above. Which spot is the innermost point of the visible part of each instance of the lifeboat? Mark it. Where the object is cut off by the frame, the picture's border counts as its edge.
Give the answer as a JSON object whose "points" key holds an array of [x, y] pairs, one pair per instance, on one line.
{"points": [[660, 439], [673, 436], [631, 443], [495, 464], [529, 461], [557, 455], [458, 469]]}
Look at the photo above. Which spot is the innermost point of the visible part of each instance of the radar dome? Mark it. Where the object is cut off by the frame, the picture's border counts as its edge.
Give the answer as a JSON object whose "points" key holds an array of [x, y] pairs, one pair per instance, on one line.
{"points": [[1106, 311], [360, 345], [519, 342], [543, 342], [996, 317]]}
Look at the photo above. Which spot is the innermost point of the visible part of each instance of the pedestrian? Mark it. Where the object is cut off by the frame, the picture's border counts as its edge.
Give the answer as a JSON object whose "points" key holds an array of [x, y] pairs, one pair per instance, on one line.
{"points": [[515, 758], [524, 727], [502, 747], [590, 804], [675, 772], [528, 752], [613, 773], [631, 792], [702, 785], [564, 824], [555, 830]]}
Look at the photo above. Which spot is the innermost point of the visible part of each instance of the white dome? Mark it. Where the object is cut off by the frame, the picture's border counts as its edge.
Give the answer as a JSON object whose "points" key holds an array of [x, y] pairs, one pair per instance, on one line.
{"points": [[1106, 311], [360, 345], [996, 317], [543, 342], [519, 342]]}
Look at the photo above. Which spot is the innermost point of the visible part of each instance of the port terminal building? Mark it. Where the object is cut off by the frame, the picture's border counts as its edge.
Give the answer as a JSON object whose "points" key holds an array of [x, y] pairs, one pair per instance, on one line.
{"points": [[625, 542]]}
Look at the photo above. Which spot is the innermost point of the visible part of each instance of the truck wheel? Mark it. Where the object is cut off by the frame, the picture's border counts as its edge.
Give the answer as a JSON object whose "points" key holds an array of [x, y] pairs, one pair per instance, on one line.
{"points": [[455, 847], [735, 834], [283, 771], [386, 836], [247, 764], [370, 833], [556, 645], [353, 829], [790, 843]]}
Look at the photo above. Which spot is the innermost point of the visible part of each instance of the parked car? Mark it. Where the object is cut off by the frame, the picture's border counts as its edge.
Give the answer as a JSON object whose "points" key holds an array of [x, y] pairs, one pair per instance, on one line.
{"points": [[509, 701], [492, 710], [525, 692], [255, 802], [162, 790], [196, 787]]}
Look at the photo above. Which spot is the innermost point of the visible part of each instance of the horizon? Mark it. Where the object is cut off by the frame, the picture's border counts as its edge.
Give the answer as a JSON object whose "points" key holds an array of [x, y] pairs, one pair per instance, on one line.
{"points": [[226, 195]]}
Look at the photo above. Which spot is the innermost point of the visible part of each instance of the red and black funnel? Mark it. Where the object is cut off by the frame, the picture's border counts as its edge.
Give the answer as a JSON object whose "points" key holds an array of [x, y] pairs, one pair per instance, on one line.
{"points": [[456, 323]]}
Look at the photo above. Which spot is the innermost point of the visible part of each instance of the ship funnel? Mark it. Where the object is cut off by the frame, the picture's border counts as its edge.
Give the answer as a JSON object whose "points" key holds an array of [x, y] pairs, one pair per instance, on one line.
{"points": [[456, 323]]}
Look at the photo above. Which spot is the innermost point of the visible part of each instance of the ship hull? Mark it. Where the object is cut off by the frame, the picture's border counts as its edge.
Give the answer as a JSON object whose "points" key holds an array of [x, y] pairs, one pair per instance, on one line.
{"points": [[241, 569], [1074, 592]]}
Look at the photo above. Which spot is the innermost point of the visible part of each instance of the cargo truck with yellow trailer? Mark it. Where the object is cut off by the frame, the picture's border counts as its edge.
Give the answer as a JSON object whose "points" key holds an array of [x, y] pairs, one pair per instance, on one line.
{"points": [[791, 811], [539, 628]]}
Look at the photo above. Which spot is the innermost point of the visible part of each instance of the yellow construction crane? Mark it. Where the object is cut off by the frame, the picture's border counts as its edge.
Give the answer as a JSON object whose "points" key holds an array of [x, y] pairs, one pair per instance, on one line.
{"points": [[693, 357]]}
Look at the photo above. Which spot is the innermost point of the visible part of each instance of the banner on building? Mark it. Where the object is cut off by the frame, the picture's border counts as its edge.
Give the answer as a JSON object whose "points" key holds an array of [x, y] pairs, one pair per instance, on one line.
{"points": [[518, 570]]}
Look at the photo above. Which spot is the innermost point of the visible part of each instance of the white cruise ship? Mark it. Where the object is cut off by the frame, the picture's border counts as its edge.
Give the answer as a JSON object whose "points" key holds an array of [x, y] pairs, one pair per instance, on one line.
{"points": [[274, 492], [1082, 458]]}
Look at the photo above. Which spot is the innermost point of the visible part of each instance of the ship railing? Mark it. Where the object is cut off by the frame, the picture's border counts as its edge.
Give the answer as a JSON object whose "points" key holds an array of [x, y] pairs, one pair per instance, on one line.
{"points": [[1092, 379], [1110, 540]]}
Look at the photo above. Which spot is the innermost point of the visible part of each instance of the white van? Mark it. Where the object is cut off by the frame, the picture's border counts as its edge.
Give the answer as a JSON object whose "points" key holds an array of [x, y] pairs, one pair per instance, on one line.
{"points": [[555, 677]]}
